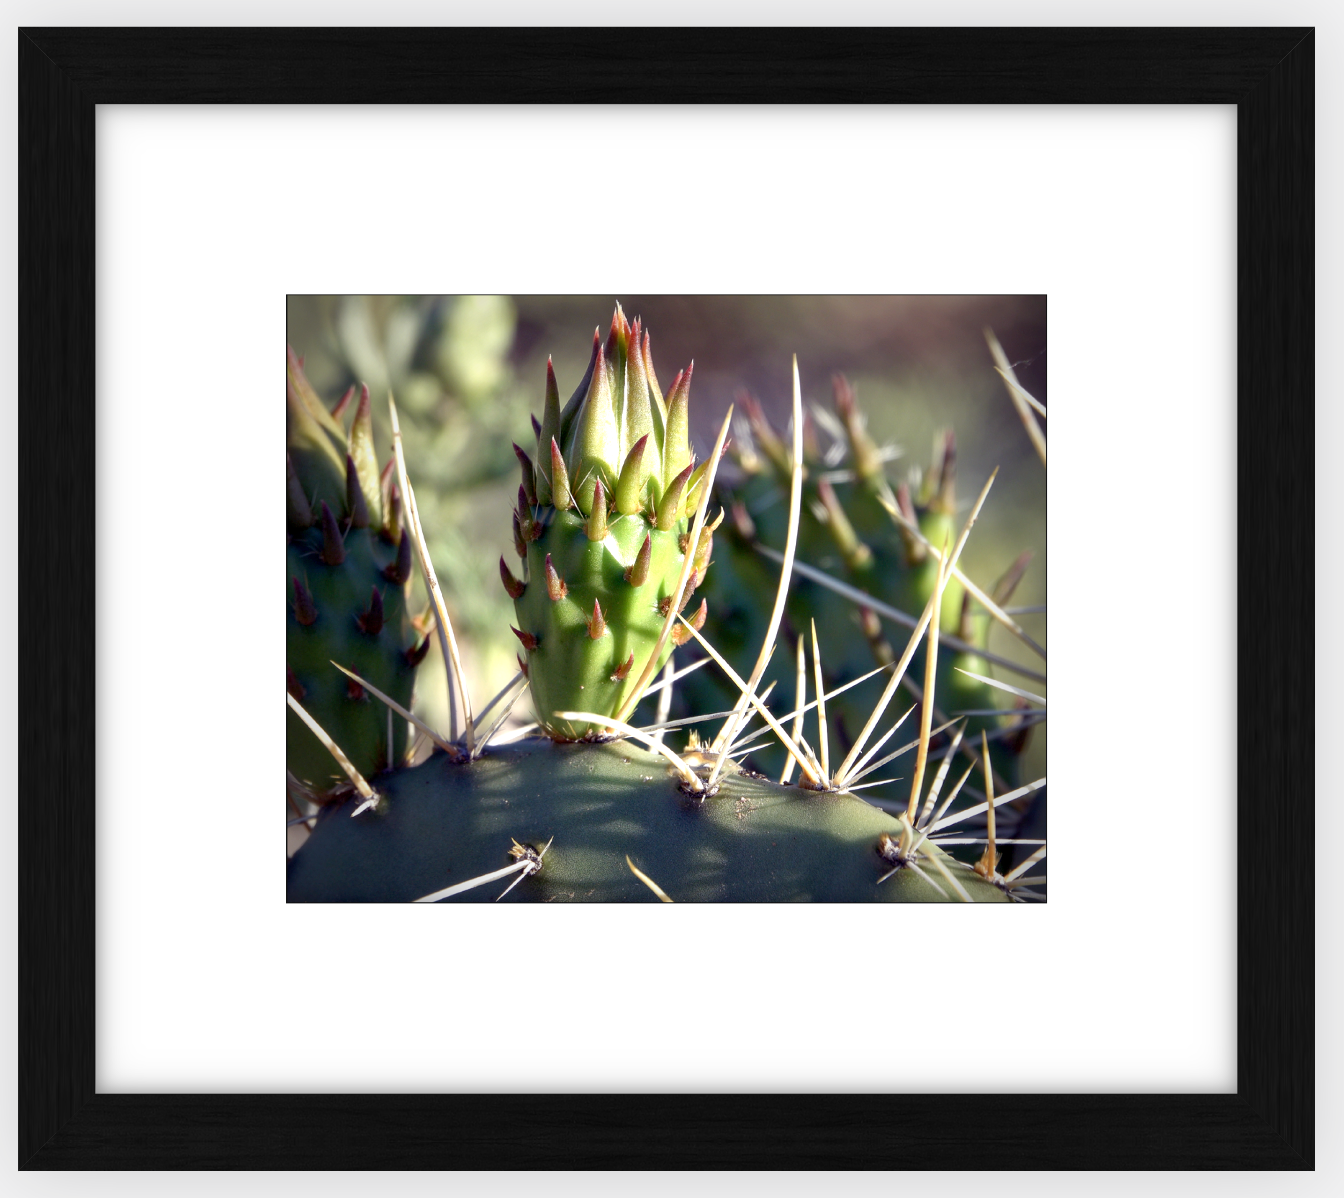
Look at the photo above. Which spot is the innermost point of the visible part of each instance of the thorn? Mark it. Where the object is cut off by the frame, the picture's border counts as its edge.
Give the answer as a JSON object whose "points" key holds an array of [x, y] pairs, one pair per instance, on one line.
{"points": [[945, 498], [867, 456], [353, 691], [638, 574], [536, 424], [293, 685], [857, 555], [597, 626], [371, 621], [1007, 584], [529, 641], [392, 529], [676, 441], [519, 545], [333, 544], [915, 552], [399, 571], [597, 518], [416, 653], [342, 404], [561, 497], [630, 484], [529, 474], [555, 585], [670, 507], [522, 665], [623, 671], [356, 509], [548, 430], [513, 585], [305, 610], [681, 634]]}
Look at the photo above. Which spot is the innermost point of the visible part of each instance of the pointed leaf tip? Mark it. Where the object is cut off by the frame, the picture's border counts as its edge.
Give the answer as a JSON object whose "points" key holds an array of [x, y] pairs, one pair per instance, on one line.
{"points": [[529, 641], [399, 572]]}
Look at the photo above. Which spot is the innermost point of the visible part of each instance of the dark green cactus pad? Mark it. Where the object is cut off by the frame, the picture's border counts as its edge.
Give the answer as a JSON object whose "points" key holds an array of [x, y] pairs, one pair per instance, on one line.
{"points": [[371, 637], [347, 562], [754, 841]]}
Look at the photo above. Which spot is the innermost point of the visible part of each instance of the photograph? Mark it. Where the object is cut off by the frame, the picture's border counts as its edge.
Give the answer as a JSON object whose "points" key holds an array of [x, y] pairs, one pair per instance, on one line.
{"points": [[666, 598]]}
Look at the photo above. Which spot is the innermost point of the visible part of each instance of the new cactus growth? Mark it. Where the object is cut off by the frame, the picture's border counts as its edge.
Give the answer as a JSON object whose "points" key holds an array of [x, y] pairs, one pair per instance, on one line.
{"points": [[347, 562], [602, 527]]}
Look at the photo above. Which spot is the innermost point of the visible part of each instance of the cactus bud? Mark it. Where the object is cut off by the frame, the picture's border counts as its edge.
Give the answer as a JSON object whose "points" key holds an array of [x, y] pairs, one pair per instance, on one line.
{"points": [[298, 510], [631, 483], [597, 626], [416, 653], [555, 585], [512, 585], [560, 493], [677, 442], [399, 571], [370, 621], [305, 610], [333, 544], [342, 404], [637, 574], [356, 508], [529, 474], [669, 509], [597, 518]]}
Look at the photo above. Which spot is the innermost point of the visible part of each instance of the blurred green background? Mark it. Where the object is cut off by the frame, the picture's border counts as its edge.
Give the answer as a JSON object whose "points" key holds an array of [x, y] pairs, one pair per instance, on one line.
{"points": [[467, 371]]}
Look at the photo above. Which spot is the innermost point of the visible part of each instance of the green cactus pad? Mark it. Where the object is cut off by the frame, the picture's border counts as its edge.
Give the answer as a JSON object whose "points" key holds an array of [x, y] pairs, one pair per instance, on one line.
{"points": [[346, 568], [754, 841], [569, 668], [602, 524]]}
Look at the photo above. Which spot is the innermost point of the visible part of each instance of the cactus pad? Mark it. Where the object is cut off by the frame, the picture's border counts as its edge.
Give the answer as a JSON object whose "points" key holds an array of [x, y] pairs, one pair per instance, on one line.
{"points": [[602, 528]]}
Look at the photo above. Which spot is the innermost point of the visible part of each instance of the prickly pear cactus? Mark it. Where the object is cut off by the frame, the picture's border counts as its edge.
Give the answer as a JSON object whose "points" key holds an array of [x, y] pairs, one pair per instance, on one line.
{"points": [[604, 808], [348, 560], [849, 532], [602, 528]]}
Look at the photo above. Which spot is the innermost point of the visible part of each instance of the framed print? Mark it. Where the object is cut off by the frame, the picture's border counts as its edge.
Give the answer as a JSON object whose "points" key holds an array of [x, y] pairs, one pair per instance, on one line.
{"points": [[69, 168]]}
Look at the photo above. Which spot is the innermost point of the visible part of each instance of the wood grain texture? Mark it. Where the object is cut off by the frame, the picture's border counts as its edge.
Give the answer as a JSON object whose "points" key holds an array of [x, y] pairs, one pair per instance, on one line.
{"points": [[1268, 74]]}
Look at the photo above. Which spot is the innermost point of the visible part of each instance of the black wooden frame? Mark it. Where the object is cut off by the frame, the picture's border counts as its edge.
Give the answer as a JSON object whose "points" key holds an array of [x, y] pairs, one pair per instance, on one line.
{"points": [[1267, 73]]}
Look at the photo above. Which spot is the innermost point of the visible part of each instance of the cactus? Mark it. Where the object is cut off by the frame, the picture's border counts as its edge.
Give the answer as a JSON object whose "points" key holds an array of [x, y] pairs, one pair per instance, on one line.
{"points": [[601, 525], [611, 526], [859, 536], [347, 562]]}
